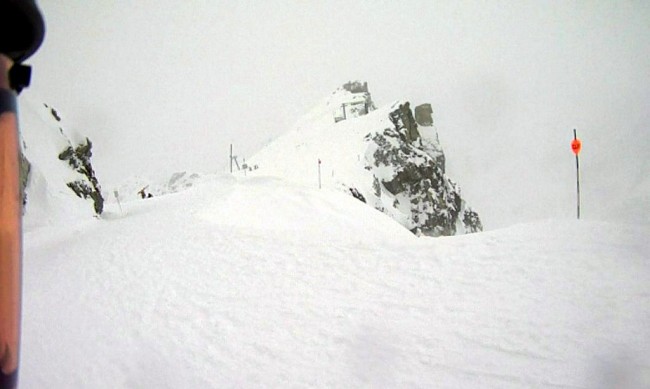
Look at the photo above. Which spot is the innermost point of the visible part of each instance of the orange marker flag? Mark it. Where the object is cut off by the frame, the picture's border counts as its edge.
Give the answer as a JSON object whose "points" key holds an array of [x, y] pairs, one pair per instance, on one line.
{"points": [[576, 146]]}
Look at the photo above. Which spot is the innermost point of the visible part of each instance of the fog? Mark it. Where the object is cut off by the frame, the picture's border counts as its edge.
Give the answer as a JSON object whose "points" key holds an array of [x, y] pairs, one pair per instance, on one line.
{"points": [[165, 86]]}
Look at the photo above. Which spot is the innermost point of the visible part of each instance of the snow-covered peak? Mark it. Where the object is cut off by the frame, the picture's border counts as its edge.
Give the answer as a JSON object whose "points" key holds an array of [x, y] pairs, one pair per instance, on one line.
{"points": [[378, 155], [350, 100]]}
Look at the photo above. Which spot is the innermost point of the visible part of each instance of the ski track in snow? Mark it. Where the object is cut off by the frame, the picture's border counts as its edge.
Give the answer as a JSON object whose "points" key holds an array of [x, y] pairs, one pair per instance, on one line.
{"points": [[257, 283]]}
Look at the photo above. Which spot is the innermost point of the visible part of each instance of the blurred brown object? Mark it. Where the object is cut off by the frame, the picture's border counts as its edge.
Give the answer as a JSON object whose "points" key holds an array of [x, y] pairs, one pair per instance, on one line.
{"points": [[10, 233]]}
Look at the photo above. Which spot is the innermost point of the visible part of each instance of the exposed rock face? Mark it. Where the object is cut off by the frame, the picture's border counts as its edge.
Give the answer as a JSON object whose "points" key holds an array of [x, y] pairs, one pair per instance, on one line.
{"points": [[471, 221], [25, 170], [357, 195], [56, 170], [79, 159], [404, 122], [51, 159], [356, 87], [423, 114], [409, 179]]}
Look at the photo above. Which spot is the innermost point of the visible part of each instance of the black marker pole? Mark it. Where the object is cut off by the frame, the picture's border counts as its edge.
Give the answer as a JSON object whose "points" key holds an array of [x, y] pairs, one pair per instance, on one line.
{"points": [[576, 146], [319, 181]]}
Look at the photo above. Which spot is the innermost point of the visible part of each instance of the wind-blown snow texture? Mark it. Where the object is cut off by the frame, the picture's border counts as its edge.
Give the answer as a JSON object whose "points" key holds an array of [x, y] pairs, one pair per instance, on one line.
{"points": [[254, 282], [380, 155]]}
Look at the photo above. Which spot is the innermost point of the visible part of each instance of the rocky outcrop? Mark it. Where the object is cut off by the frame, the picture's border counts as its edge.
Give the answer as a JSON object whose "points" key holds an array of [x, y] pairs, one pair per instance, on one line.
{"points": [[25, 169], [471, 221], [56, 168], [405, 125], [356, 87], [409, 179], [357, 195], [423, 115], [86, 187]]}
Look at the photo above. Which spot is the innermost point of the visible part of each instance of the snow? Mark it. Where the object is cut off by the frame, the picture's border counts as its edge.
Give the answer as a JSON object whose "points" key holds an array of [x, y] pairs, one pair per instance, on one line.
{"points": [[43, 138], [339, 146], [233, 281], [261, 282]]}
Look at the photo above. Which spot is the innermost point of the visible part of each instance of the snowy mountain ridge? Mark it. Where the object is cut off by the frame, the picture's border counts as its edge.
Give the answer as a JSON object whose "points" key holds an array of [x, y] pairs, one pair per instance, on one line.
{"points": [[229, 281], [382, 156]]}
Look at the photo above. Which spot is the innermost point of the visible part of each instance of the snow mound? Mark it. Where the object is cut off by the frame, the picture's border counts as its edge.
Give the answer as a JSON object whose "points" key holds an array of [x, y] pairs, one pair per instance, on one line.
{"points": [[255, 282], [269, 206]]}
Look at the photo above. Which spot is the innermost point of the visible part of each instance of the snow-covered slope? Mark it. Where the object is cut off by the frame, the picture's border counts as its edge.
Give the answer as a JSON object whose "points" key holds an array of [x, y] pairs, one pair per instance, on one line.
{"points": [[380, 155], [254, 282], [44, 140], [131, 188]]}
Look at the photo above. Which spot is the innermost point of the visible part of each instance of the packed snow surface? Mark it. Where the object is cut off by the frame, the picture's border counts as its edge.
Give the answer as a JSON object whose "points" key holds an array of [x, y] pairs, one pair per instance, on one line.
{"points": [[255, 282]]}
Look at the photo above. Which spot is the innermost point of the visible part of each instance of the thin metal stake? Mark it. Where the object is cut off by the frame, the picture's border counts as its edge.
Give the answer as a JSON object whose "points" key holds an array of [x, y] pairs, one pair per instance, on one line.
{"points": [[575, 137]]}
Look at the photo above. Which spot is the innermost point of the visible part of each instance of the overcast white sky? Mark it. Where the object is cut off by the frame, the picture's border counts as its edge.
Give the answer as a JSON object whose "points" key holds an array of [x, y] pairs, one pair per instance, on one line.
{"points": [[164, 86]]}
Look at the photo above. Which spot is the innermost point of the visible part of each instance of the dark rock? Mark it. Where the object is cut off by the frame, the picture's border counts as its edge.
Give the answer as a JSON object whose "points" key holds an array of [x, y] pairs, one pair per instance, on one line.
{"points": [[423, 115], [55, 114], [356, 87], [404, 123], [471, 221], [79, 160], [25, 170], [357, 195], [416, 174]]}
